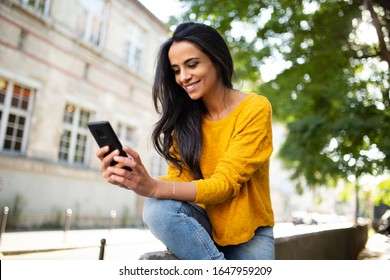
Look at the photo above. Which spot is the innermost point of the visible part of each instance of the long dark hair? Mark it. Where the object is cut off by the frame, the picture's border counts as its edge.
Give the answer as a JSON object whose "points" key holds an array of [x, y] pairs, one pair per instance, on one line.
{"points": [[181, 117]]}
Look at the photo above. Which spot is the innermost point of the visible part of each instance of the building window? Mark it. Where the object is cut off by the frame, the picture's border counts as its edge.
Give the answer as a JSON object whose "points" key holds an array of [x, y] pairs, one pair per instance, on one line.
{"points": [[15, 112], [90, 20], [127, 135], [73, 142], [134, 49], [41, 6]]}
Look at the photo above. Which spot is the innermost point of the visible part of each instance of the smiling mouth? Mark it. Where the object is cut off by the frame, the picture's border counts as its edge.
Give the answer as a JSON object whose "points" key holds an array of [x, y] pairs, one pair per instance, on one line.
{"points": [[191, 87]]}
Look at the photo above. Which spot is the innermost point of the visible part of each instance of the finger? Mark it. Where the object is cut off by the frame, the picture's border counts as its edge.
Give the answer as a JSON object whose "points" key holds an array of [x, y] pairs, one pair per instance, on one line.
{"points": [[120, 181], [125, 161], [107, 161], [132, 153], [118, 171], [115, 163], [110, 176], [110, 157], [106, 174], [102, 151]]}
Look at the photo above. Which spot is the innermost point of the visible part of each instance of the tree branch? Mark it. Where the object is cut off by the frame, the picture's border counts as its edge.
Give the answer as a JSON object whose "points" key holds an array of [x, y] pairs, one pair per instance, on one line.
{"points": [[384, 52]]}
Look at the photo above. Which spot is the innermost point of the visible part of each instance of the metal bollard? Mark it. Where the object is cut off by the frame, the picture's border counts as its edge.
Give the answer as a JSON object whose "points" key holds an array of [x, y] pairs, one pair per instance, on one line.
{"points": [[67, 222], [4, 222], [112, 219], [102, 247]]}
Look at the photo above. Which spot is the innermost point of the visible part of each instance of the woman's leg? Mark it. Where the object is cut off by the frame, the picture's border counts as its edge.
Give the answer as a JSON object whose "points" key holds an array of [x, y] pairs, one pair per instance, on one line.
{"points": [[183, 227], [260, 247]]}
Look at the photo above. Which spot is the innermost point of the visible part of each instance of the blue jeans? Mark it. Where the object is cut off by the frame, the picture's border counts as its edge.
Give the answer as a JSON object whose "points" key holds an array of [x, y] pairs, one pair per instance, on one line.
{"points": [[185, 230]]}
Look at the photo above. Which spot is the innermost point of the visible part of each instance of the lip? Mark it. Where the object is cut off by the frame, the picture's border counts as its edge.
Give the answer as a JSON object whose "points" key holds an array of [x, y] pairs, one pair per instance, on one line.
{"points": [[191, 87]]}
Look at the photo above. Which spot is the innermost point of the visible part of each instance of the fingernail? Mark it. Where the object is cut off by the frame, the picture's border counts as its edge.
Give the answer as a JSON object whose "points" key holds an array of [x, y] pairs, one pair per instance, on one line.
{"points": [[116, 158]]}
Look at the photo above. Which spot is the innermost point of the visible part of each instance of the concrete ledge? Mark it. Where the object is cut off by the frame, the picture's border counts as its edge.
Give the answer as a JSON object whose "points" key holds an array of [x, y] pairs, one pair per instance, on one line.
{"points": [[158, 255], [333, 244]]}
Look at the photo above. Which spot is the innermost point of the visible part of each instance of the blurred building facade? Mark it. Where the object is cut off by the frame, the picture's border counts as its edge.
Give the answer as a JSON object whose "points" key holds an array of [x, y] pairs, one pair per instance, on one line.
{"points": [[63, 63]]}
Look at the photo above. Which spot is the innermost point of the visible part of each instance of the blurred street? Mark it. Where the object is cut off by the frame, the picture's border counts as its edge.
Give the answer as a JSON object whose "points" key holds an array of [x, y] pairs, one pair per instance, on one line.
{"points": [[377, 248], [128, 244], [78, 244]]}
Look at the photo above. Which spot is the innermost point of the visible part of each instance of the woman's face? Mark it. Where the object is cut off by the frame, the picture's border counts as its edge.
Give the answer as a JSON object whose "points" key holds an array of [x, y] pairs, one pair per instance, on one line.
{"points": [[193, 70]]}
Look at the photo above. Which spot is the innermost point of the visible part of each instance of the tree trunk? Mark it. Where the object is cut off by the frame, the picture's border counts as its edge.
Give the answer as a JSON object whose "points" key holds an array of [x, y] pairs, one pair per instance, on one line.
{"points": [[383, 53], [357, 204]]}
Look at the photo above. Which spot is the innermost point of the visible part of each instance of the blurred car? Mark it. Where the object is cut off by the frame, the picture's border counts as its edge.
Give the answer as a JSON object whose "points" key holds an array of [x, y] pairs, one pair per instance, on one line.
{"points": [[384, 223], [303, 218]]}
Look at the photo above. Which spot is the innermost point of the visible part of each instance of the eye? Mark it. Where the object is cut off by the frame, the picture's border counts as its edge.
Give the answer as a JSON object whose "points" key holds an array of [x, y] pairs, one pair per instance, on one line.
{"points": [[193, 65], [176, 71]]}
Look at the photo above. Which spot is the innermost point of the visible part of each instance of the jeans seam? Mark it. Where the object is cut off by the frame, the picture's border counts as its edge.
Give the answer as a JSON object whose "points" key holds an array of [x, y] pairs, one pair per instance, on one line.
{"points": [[204, 244]]}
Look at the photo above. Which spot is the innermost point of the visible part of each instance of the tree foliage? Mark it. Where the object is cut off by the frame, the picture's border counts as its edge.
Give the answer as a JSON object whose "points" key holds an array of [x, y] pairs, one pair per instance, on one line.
{"points": [[383, 193], [332, 91]]}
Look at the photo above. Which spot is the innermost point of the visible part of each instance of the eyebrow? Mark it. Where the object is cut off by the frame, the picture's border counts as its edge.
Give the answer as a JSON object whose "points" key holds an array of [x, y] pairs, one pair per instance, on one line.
{"points": [[188, 60]]}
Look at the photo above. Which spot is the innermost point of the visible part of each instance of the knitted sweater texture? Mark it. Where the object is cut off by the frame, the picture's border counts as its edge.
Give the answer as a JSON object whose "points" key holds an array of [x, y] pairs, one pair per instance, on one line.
{"points": [[235, 159]]}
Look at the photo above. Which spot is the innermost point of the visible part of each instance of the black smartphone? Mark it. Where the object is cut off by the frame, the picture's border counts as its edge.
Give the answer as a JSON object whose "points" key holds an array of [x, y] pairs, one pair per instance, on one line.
{"points": [[105, 136]]}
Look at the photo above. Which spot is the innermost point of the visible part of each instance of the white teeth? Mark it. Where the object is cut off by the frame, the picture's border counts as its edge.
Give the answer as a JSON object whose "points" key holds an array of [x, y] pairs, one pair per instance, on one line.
{"points": [[190, 87]]}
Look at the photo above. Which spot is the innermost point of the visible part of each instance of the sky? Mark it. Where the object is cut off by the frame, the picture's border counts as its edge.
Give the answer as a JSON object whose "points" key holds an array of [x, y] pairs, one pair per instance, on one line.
{"points": [[162, 8], [165, 8]]}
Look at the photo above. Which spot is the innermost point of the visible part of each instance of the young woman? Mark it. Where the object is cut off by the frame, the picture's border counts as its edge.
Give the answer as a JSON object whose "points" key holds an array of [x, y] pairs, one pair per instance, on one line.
{"points": [[214, 202]]}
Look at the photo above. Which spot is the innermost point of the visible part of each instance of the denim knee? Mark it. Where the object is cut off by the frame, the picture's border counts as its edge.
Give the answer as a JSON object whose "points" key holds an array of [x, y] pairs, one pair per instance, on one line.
{"points": [[155, 212]]}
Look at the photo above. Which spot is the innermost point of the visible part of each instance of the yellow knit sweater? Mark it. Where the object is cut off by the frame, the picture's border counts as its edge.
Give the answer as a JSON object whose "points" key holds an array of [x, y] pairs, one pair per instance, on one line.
{"points": [[235, 165]]}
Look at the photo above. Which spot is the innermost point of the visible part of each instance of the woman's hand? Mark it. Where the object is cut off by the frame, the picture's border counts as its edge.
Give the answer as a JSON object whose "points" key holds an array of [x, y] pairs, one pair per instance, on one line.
{"points": [[137, 180]]}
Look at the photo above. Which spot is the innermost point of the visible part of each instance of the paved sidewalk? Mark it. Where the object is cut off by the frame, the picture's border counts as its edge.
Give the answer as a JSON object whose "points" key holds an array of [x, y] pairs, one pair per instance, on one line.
{"points": [[78, 244], [127, 244], [377, 248]]}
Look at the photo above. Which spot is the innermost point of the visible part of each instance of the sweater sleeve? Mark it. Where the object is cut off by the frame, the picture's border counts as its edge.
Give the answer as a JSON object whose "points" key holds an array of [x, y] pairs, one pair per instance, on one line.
{"points": [[249, 147]]}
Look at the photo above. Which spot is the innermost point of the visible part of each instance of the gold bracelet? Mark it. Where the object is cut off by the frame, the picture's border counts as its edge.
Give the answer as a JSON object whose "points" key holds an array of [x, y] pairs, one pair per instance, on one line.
{"points": [[173, 190]]}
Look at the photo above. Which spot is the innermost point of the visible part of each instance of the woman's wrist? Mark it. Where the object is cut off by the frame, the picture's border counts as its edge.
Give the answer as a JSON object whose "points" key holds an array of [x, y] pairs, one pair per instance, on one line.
{"points": [[164, 189], [184, 191]]}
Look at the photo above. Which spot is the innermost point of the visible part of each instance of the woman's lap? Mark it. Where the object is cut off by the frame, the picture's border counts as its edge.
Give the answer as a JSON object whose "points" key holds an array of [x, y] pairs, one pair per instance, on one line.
{"points": [[186, 231]]}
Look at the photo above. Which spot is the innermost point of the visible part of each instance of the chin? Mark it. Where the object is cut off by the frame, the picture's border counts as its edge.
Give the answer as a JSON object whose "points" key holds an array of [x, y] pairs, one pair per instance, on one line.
{"points": [[194, 96]]}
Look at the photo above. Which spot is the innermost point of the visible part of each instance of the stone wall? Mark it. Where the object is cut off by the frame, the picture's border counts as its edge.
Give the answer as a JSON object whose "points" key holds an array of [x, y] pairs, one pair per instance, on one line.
{"points": [[335, 244]]}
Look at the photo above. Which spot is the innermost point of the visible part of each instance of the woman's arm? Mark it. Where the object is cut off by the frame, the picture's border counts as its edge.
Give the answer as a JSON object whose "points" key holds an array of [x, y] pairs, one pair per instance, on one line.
{"points": [[139, 180]]}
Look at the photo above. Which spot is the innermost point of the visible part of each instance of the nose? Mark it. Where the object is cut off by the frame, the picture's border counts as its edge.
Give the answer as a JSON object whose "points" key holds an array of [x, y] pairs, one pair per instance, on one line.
{"points": [[184, 76]]}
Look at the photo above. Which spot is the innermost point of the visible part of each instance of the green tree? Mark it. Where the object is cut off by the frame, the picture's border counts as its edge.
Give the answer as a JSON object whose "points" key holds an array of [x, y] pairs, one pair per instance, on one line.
{"points": [[332, 91], [383, 192]]}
